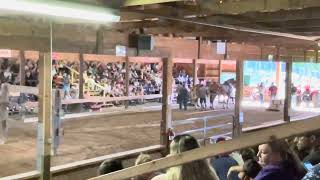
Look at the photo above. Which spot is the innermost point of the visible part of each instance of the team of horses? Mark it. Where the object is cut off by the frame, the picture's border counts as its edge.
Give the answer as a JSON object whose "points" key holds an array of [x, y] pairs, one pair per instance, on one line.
{"points": [[225, 90]]}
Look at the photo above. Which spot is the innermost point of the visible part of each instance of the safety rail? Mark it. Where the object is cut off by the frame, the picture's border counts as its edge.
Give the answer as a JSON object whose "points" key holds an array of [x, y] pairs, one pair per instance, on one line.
{"points": [[205, 120], [109, 99], [16, 90]]}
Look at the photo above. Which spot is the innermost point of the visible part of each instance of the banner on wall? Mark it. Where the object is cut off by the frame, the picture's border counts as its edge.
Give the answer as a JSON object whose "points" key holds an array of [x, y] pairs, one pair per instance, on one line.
{"points": [[121, 51], [221, 47], [5, 53]]}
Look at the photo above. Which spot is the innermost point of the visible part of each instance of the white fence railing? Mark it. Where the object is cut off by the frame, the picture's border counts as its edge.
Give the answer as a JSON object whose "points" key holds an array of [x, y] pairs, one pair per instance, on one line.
{"points": [[204, 120]]}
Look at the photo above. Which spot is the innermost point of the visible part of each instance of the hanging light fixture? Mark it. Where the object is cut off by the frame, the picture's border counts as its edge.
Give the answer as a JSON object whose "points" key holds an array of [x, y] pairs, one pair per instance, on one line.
{"points": [[61, 9]]}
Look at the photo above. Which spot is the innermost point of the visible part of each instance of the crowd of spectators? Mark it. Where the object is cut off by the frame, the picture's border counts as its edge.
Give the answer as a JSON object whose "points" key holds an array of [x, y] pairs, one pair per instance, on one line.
{"points": [[109, 78], [144, 79], [9, 71], [289, 159]]}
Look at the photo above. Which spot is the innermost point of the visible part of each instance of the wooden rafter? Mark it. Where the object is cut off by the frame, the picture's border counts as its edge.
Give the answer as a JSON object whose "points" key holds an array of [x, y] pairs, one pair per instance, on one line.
{"points": [[146, 2], [239, 7]]}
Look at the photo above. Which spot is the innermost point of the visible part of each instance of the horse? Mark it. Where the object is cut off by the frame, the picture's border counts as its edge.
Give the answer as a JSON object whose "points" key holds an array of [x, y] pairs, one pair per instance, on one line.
{"points": [[225, 89]]}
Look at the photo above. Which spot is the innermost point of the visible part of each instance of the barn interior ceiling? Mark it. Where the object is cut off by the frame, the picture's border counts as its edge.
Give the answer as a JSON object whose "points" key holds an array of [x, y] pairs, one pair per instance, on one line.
{"points": [[286, 23]]}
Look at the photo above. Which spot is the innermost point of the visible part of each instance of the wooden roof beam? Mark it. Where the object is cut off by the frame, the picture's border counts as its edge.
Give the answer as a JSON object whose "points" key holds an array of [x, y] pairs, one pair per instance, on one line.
{"points": [[147, 2], [43, 44], [239, 7], [284, 15]]}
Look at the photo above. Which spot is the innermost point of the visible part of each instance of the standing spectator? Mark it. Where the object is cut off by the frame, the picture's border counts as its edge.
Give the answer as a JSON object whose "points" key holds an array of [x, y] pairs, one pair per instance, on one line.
{"points": [[306, 96], [183, 97], [233, 94], [194, 96], [66, 85], [213, 91], [293, 94], [203, 92], [299, 95], [261, 92], [273, 91]]}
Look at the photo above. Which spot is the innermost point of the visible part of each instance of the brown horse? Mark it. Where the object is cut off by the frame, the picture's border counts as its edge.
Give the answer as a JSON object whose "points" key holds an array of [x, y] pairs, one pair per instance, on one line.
{"points": [[224, 89]]}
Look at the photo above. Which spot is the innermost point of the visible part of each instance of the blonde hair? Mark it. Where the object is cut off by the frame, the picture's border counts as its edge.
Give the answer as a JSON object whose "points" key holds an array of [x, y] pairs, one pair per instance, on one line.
{"points": [[143, 158], [199, 169]]}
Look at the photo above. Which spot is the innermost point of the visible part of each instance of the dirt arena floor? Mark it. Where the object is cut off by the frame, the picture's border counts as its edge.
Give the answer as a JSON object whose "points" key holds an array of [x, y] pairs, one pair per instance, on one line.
{"points": [[86, 138]]}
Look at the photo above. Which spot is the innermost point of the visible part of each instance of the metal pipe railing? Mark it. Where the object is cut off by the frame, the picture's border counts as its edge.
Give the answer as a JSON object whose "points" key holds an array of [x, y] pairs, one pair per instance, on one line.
{"points": [[204, 120]]}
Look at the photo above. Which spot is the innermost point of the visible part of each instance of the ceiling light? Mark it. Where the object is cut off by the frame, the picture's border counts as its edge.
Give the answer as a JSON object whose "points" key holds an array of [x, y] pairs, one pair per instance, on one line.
{"points": [[54, 8]]}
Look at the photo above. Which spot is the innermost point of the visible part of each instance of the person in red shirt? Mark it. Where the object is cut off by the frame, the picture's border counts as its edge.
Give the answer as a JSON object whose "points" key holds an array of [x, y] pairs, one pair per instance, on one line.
{"points": [[273, 91]]}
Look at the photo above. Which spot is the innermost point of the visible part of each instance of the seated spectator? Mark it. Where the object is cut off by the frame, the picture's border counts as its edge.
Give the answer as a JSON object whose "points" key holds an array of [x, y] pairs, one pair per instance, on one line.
{"points": [[222, 164], [247, 154], [109, 166], [196, 170], [277, 162], [308, 149], [248, 171], [143, 158]]}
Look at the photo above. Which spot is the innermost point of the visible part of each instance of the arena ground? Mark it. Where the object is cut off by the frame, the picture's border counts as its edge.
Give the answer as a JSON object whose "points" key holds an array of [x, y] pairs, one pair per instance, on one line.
{"points": [[89, 137]]}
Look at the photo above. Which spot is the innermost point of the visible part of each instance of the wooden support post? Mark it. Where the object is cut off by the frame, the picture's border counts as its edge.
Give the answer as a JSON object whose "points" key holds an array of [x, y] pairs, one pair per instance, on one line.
{"points": [[220, 71], [225, 57], [237, 126], [127, 81], [194, 72], [278, 81], [166, 100], [199, 55], [56, 121], [199, 47], [305, 55], [261, 53], [22, 68], [4, 113], [287, 100], [99, 41], [278, 57], [81, 80], [45, 116]]}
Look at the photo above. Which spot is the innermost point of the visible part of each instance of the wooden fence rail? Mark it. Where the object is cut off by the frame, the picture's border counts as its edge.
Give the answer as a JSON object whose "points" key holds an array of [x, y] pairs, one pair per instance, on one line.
{"points": [[16, 90], [60, 170]]}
